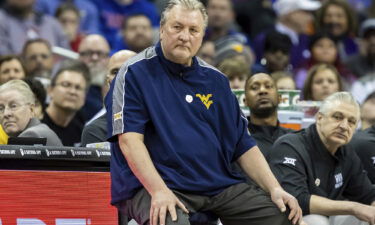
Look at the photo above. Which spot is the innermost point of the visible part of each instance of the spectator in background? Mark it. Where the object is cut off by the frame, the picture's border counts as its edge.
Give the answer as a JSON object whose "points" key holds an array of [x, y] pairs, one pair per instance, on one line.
{"points": [[113, 13], [96, 131], [94, 52], [363, 63], [323, 50], [88, 12], [136, 34], [237, 72], [322, 171], [262, 99], [337, 18], [322, 81], [40, 96], [284, 81], [234, 50], [17, 113], [294, 17], [221, 21], [11, 68], [277, 48], [19, 23], [254, 17], [37, 56], [68, 16], [368, 111], [207, 52], [67, 93], [363, 142]]}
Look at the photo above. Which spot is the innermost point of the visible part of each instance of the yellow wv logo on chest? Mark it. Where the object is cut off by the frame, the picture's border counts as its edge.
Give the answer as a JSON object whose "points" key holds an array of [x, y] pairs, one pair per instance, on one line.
{"points": [[205, 99]]}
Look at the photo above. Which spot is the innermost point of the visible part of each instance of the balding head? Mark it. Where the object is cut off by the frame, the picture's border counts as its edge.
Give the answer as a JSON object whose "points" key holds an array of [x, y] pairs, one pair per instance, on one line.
{"points": [[115, 63], [94, 49], [94, 52]]}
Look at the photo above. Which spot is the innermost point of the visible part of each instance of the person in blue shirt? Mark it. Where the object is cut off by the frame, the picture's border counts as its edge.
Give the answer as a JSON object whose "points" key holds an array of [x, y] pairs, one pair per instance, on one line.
{"points": [[88, 12], [114, 12], [176, 129]]}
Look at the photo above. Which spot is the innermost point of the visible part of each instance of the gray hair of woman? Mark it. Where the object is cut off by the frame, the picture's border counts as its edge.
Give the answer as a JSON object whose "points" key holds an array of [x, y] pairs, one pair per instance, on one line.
{"points": [[20, 86]]}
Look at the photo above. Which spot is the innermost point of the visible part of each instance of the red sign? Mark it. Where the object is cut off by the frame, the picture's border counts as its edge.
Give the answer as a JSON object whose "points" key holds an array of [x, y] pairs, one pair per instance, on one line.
{"points": [[56, 198]]}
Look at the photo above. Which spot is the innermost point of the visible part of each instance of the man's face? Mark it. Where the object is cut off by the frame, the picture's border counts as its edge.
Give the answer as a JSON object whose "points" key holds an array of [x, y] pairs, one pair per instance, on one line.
{"points": [[115, 63], [337, 126], [69, 91], [261, 95], [220, 13], [38, 60], [138, 33], [336, 20], [181, 35], [94, 52], [70, 23], [368, 114]]}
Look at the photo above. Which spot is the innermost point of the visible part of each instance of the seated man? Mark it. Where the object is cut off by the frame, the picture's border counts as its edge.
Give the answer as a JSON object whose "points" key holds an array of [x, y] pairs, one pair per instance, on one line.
{"points": [[320, 170], [175, 129], [262, 100], [96, 131], [363, 142]]}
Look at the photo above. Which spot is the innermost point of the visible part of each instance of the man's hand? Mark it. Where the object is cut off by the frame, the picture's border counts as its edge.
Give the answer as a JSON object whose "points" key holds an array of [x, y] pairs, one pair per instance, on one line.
{"points": [[364, 212], [282, 199], [162, 202]]}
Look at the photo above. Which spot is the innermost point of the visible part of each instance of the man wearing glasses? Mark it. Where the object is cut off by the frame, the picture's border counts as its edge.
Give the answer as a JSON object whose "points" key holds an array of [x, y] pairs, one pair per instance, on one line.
{"points": [[94, 52], [67, 92]]}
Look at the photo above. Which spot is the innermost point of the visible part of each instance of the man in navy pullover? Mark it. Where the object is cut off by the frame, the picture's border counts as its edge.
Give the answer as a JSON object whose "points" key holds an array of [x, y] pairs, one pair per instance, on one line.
{"points": [[175, 129]]}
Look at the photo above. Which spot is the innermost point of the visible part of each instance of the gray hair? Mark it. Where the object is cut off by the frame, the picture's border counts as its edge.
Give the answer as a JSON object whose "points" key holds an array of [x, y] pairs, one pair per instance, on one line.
{"points": [[21, 87], [336, 98], [186, 4]]}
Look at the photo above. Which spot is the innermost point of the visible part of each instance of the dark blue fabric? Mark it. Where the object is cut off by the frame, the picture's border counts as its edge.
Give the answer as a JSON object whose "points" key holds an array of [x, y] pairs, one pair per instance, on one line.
{"points": [[191, 146]]}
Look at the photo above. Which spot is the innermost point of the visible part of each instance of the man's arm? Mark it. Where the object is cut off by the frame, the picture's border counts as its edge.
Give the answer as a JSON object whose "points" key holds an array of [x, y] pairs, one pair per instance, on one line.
{"points": [[139, 161], [328, 207], [255, 166]]}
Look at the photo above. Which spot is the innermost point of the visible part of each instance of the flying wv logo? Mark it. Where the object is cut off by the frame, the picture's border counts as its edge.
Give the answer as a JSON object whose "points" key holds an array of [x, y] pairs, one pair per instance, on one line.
{"points": [[205, 99]]}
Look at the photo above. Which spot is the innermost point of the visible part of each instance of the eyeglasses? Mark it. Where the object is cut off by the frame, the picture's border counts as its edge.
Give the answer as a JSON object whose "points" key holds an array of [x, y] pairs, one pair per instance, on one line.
{"points": [[68, 85], [13, 107], [89, 53], [42, 56]]}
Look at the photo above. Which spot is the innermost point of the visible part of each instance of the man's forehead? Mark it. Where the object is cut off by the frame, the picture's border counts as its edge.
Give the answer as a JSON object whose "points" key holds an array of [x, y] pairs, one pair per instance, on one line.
{"points": [[260, 78], [178, 14], [346, 109]]}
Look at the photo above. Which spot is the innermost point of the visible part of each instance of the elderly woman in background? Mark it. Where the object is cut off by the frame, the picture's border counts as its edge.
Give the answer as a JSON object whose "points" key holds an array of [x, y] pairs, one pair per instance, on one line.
{"points": [[322, 80], [17, 117], [11, 68]]}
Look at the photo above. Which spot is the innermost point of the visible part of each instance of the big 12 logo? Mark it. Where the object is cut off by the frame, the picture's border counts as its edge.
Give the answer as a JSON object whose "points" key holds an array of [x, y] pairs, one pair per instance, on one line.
{"points": [[33, 221]]}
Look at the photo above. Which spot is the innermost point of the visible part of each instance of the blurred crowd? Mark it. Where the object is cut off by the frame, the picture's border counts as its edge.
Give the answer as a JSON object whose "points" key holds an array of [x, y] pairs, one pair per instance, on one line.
{"points": [[62, 49]]}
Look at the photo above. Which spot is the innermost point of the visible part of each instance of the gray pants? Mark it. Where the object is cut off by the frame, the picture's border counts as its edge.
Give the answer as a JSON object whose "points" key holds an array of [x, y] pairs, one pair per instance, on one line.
{"points": [[239, 204], [314, 219]]}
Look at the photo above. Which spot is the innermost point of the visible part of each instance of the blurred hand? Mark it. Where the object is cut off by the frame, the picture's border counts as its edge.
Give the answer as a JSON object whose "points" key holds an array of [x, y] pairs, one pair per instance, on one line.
{"points": [[162, 202], [283, 199]]}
